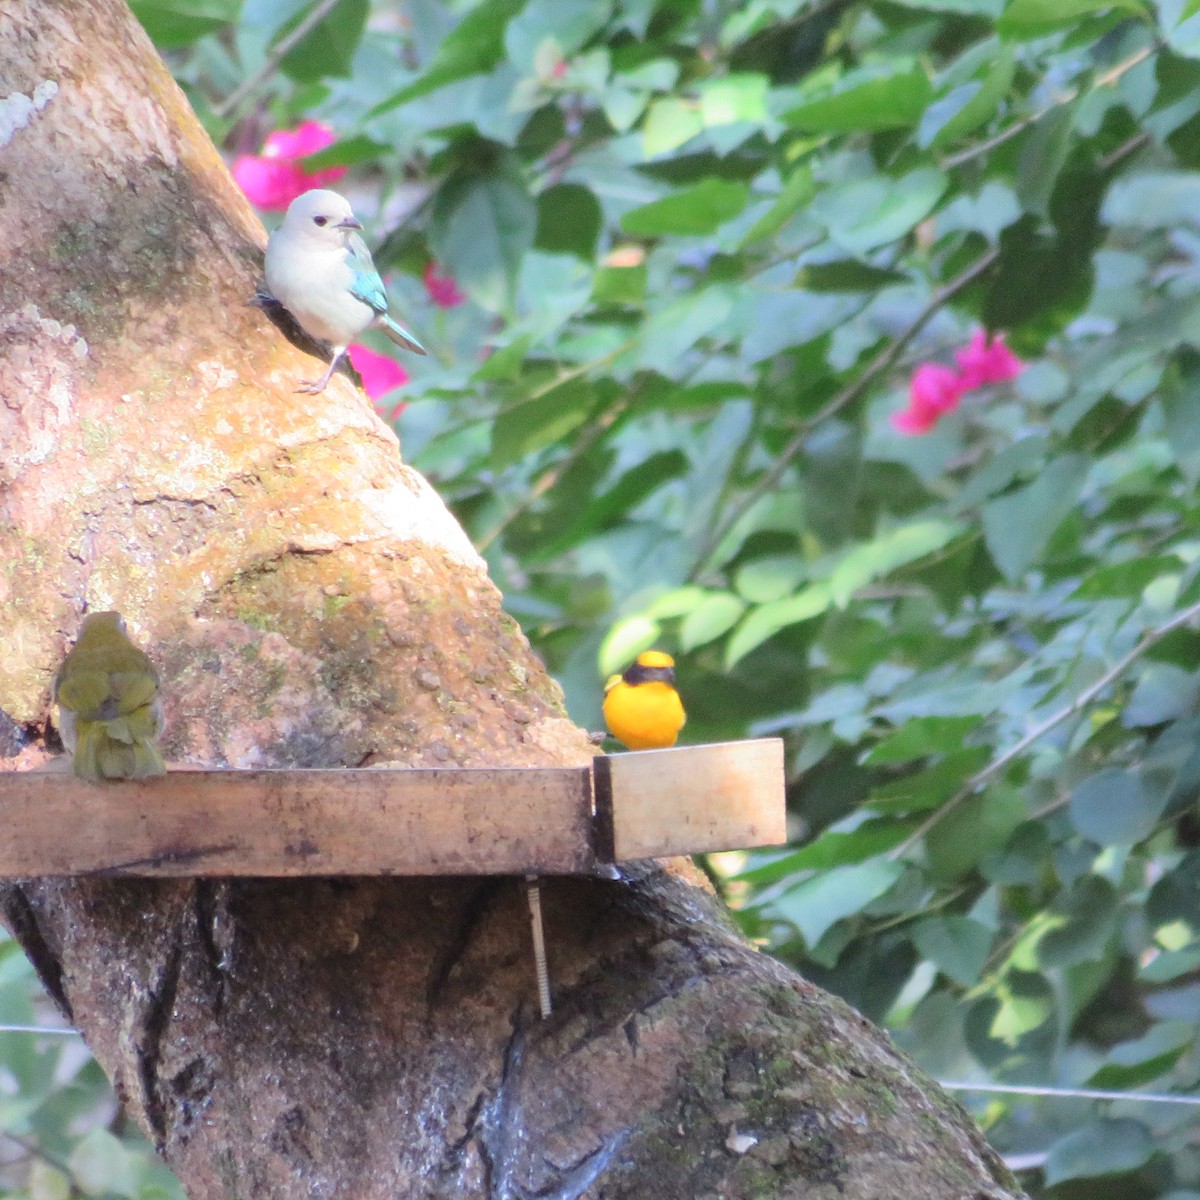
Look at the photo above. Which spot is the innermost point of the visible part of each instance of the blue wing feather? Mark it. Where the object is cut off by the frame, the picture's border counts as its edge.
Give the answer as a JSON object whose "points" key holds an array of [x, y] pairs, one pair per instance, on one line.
{"points": [[366, 284]]}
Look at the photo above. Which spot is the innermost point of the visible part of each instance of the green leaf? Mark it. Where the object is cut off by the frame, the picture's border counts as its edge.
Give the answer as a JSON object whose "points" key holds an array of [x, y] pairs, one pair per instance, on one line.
{"points": [[847, 275], [966, 107], [1018, 525], [797, 192], [699, 209], [678, 602], [1109, 1147], [506, 361], [1126, 579], [1170, 965], [673, 331], [782, 320], [850, 841], [816, 904], [569, 219], [921, 737], [1112, 807], [173, 24], [526, 428], [977, 828], [634, 486], [1043, 155], [767, 579], [1032, 18], [715, 616], [891, 549], [669, 124], [568, 24], [1153, 200], [102, 1165], [473, 47], [1022, 1012], [872, 212], [893, 101], [481, 226], [766, 621], [1087, 914], [957, 946], [734, 98], [47, 1182], [620, 285], [1141, 1060], [931, 786], [1164, 692], [329, 48], [625, 641], [968, 8], [344, 153]]}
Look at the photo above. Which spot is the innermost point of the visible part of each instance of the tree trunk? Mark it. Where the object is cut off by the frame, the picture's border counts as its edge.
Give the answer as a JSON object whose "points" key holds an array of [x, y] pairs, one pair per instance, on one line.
{"points": [[309, 602]]}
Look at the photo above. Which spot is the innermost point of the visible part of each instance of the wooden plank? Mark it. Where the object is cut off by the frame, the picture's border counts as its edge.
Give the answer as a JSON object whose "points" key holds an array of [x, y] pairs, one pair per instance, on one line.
{"points": [[343, 822], [654, 803]]}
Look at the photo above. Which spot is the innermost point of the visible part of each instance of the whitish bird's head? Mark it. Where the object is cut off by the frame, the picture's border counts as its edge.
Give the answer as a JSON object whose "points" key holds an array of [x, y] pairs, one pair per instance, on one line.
{"points": [[321, 217]]}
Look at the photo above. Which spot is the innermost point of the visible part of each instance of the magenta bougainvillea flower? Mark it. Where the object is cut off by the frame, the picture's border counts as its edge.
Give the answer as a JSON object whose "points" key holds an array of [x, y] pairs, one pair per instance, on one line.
{"points": [[935, 390], [380, 375], [981, 362], [274, 178], [442, 289]]}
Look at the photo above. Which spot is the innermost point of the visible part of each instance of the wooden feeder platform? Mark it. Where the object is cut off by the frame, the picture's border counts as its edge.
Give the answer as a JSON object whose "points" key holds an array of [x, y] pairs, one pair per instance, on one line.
{"points": [[402, 821]]}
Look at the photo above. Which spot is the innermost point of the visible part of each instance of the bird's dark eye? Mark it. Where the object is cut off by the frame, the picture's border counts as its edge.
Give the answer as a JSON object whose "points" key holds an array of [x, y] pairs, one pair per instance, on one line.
{"points": [[320, 220]]}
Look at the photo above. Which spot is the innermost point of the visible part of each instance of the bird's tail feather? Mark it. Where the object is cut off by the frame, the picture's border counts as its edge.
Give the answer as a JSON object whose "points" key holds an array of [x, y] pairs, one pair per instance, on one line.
{"points": [[402, 337], [110, 750]]}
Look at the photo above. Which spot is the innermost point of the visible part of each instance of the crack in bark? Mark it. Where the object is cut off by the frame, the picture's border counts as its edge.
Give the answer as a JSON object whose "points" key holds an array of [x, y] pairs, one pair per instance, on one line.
{"points": [[580, 1177], [631, 1033], [154, 1021], [22, 923], [668, 988], [208, 910], [500, 1117], [472, 913]]}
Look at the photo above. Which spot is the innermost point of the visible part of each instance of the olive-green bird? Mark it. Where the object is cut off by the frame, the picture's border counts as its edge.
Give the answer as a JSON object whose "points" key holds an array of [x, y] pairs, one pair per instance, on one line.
{"points": [[111, 712]]}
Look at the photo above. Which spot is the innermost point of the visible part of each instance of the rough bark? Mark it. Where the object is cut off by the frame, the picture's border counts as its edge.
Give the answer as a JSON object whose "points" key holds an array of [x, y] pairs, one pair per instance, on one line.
{"points": [[310, 602]]}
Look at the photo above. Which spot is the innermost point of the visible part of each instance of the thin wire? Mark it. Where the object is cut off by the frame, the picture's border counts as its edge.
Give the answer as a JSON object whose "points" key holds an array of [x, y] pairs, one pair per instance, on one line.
{"points": [[60, 1032], [1070, 1093]]}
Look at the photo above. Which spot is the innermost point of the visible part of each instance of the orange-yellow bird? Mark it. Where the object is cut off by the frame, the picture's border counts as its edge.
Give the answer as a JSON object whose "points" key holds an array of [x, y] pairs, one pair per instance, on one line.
{"points": [[642, 709]]}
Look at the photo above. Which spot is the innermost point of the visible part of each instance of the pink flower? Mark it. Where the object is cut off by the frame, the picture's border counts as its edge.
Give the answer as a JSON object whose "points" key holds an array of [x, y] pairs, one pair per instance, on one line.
{"points": [[380, 374], [910, 422], [983, 362], [442, 289], [273, 179], [933, 391]]}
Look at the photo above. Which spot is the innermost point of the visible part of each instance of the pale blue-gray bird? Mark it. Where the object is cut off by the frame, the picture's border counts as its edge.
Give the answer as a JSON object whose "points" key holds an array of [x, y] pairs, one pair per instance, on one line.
{"points": [[321, 271]]}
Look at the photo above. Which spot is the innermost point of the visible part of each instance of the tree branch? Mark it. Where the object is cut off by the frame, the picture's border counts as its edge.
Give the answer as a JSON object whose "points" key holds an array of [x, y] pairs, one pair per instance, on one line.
{"points": [[847, 396], [1149, 640], [278, 53], [1103, 80]]}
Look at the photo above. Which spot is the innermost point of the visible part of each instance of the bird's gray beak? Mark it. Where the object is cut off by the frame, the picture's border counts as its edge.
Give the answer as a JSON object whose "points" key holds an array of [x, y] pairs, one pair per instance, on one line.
{"points": [[349, 223]]}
